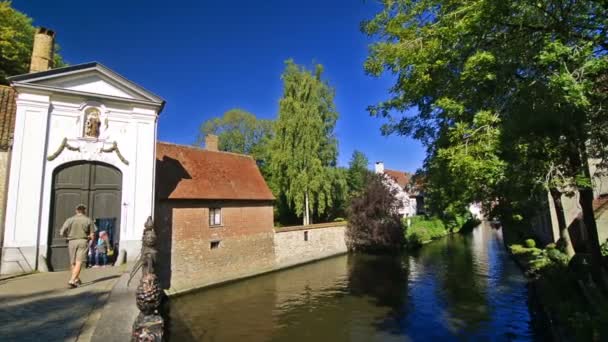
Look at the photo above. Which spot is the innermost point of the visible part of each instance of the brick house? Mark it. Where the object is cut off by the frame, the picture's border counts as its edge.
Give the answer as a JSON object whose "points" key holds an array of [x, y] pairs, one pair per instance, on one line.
{"points": [[214, 213]]}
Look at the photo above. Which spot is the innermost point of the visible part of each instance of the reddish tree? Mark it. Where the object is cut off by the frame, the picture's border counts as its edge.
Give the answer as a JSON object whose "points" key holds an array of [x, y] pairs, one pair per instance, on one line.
{"points": [[374, 224]]}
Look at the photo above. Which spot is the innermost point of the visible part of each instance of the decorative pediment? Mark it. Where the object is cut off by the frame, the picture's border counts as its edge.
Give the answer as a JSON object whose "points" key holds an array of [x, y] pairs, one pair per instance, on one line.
{"points": [[88, 149], [89, 79], [91, 82]]}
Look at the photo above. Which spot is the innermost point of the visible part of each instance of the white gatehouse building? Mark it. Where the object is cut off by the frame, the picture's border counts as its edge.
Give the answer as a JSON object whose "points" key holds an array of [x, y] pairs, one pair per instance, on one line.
{"points": [[82, 134]]}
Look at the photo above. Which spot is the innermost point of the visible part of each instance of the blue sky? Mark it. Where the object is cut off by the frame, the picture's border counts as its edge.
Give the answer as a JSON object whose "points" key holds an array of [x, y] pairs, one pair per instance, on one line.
{"points": [[206, 57]]}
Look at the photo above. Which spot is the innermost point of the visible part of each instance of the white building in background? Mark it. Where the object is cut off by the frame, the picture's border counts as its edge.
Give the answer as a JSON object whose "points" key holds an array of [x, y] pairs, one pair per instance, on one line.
{"points": [[476, 211], [413, 201], [83, 134]]}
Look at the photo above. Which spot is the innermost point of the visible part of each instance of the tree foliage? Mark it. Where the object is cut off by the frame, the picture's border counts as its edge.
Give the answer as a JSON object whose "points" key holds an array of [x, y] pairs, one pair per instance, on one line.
{"points": [[16, 42], [304, 148], [508, 95], [374, 223], [239, 131], [357, 173]]}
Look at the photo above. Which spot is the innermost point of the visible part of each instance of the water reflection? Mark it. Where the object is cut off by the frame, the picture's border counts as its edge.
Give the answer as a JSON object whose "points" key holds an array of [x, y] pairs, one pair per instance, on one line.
{"points": [[459, 288]]}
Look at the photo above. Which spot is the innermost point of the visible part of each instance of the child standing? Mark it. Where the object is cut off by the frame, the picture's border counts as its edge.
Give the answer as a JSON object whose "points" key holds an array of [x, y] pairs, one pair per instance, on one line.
{"points": [[101, 249], [91, 253]]}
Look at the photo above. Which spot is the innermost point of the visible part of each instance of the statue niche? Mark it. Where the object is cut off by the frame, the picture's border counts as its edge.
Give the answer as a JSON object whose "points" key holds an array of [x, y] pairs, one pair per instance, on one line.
{"points": [[92, 123]]}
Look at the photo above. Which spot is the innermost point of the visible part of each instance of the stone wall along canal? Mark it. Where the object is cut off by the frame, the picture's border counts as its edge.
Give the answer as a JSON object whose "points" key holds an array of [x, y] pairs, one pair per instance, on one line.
{"points": [[458, 288]]}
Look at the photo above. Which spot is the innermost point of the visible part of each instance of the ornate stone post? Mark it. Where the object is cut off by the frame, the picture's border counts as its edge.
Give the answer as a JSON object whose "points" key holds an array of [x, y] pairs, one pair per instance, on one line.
{"points": [[149, 325]]}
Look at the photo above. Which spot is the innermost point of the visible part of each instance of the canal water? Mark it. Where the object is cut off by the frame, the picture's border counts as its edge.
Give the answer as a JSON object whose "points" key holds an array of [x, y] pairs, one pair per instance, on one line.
{"points": [[462, 288]]}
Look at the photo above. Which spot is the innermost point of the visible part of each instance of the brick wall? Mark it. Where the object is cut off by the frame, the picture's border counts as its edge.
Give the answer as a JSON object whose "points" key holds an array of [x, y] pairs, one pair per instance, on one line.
{"points": [[245, 242], [295, 245], [248, 243]]}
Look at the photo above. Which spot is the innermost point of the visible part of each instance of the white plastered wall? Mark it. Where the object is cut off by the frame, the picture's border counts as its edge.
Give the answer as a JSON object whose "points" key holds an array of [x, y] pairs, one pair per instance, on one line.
{"points": [[43, 121]]}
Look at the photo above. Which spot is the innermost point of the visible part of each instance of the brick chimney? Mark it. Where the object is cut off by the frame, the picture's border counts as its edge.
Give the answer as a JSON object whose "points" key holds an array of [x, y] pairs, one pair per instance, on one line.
{"points": [[42, 53], [211, 142], [379, 167]]}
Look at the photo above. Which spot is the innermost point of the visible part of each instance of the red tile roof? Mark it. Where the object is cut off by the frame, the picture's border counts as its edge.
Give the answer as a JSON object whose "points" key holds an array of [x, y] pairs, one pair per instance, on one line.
{"points": [[402, 178], [8, 110], [186, 172]]}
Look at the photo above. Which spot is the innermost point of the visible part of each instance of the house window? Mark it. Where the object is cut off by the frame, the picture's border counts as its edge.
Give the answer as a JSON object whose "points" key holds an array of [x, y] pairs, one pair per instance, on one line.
{"points": [[306, 236], [215, 216], [214, 244]]}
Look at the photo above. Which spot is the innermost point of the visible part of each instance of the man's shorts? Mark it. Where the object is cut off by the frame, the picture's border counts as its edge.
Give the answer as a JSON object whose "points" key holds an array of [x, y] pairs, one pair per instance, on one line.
{"points": [[78, 250]]}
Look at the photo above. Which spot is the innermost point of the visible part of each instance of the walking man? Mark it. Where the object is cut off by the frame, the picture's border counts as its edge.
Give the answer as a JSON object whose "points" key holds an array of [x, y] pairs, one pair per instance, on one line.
{"points": [[78, 229]]}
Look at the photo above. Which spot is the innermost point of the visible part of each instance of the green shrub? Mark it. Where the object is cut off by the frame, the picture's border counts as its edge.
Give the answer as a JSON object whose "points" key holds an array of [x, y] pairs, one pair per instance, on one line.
{"points": [[604, 248], [518, 249], [561, 245], [557, 256], [530, 243], [537, 264], [551, 246], [339, 219], [418, 237], [423, 229]]}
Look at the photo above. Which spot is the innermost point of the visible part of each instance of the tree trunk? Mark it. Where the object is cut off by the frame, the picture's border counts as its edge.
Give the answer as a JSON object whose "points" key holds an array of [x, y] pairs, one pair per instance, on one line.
{"points": [[586, 202], [306, 210], [561, 222]]}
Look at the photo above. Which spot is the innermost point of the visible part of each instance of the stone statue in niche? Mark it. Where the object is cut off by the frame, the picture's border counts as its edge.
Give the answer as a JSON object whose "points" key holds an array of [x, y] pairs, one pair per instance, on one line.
{"points": [[92, 124]]}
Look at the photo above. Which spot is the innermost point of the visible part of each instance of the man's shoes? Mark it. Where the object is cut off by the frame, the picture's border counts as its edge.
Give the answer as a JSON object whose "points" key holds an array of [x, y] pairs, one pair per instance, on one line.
{"points": [[74, 284]]}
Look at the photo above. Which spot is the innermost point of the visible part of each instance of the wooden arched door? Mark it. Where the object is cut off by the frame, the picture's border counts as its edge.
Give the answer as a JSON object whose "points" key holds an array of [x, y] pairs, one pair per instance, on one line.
{"points": [[96, 185]]}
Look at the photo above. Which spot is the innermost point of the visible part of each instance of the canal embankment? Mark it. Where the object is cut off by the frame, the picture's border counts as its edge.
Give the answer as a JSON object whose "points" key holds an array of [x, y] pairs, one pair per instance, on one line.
{"points": [[421, 230], [195, 266], [568, 301]]}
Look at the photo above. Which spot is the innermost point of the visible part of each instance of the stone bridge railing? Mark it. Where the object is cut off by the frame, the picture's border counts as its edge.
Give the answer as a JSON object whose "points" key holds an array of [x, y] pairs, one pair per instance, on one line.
{"points": [[149, 324]]}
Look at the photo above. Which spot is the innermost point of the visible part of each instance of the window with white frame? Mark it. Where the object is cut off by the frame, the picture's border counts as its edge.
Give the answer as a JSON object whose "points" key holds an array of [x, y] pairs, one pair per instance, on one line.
{"points": [[215, 216]]}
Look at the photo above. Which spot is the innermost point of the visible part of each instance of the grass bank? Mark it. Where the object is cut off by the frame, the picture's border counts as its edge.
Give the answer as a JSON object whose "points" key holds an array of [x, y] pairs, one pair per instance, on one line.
{"points": [[423, 229], [574, 307]]}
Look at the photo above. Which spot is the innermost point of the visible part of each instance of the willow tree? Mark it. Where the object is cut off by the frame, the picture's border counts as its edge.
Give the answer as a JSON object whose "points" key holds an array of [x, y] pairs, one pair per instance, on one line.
{"points": [[304, 148], [515, 68]]}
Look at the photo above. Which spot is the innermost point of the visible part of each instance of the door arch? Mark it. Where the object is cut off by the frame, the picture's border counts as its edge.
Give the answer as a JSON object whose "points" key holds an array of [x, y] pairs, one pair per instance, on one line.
{"points": [[96, 185]]}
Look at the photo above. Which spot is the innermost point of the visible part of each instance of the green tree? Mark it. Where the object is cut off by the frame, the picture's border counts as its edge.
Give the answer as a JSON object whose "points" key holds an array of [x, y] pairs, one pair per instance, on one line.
{"points": [[339, 193], [505, 92], [304, 148], [357, 173], [240, 132], [16, 41]]}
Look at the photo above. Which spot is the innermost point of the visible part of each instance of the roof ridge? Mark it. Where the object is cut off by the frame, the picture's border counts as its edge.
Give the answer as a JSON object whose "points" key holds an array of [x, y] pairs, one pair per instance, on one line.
{"points": [[54, 71], [406, 172], [198, 148]]}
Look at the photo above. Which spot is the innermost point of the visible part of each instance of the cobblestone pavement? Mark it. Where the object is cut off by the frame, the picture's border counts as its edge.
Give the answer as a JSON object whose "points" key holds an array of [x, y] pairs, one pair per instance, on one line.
{"points": [[40, 307]]}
